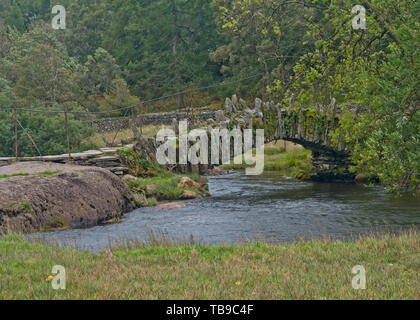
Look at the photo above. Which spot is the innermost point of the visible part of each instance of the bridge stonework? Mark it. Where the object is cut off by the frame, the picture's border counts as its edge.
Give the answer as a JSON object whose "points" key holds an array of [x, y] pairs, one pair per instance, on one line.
{"points": [[313, 129]]}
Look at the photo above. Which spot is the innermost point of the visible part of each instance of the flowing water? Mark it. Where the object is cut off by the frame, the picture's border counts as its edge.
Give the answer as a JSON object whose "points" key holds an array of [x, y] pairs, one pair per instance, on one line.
{"points": [[244, 208]]}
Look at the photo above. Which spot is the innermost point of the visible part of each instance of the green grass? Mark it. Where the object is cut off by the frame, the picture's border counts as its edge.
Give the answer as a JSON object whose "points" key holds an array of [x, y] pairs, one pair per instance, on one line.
{"points": [[5, 176], [15, 208], [41, 174], [166, 187], [56, 224], [295, 163], [301, 270], [142, 202], [49, 173]]}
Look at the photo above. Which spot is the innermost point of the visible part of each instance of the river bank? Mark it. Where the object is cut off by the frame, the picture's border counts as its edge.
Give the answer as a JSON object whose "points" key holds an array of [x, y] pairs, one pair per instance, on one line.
{"points": [[46, 196], [300, 270]]}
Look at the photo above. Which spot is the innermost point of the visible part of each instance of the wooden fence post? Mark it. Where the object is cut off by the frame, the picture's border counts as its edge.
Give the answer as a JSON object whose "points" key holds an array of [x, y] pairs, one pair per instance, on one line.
{"points": [[16, 135], [68, 135]]}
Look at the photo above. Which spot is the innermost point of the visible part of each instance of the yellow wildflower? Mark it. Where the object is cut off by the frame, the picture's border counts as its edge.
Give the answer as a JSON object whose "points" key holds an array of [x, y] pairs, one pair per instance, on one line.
{"points": [[238, 283], [49, 278]]}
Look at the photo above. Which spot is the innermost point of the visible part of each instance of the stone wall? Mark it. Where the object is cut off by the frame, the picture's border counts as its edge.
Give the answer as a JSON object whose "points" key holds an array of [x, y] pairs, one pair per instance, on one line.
{"points": [[329, 167], [165, 118]]}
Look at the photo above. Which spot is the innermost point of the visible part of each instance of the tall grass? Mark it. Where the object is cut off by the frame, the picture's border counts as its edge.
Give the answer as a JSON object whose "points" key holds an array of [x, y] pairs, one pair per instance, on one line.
{"points": [[295, 163], [257, 270], [165, 187]]}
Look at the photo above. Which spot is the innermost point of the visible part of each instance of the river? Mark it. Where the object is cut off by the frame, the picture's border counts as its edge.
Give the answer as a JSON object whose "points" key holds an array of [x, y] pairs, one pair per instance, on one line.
{"points": [[244, 208]]}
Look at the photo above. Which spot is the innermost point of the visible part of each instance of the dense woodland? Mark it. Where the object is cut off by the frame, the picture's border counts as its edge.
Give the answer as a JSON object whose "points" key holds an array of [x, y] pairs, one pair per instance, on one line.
{"points": [[116, 53]]}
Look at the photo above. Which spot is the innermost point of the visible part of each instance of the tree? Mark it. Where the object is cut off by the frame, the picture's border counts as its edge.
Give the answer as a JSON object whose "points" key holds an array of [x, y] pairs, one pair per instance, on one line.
{"points": [[167, 44], [118, 98], [7, 98], [15, 18], [102, 69], [263, 36], [376, 70]]}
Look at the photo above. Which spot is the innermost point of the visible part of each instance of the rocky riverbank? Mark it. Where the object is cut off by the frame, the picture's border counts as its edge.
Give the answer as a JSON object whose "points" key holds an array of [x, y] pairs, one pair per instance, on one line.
{"points": [[46, 196], [40, 196]]}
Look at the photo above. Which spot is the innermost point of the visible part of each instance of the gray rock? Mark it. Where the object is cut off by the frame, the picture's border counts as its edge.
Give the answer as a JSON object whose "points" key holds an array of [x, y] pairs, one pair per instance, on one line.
{"points": [[129, 178], [220, 116], [242, 102], [240, 121], [175, 126], [235, 101], [228, 106], [224, 124], [258, 104], [249, 112]]}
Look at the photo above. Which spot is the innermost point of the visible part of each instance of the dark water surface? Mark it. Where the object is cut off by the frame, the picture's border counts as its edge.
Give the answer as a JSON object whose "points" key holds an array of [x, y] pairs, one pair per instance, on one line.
{"points": [[266, 207]]}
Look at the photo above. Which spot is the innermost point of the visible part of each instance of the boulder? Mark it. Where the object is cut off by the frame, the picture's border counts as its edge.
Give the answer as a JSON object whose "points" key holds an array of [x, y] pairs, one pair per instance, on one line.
{"points": [[216, 171], [129, 178], [151, 189], [242, 102], [186, 182], [228, 106], [189, 195], [74, 197]]}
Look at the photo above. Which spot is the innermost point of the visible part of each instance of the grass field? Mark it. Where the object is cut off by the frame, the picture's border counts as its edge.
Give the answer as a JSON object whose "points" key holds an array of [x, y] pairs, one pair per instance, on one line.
{"points": [[301, 270], [292, 161], [96, 142]]}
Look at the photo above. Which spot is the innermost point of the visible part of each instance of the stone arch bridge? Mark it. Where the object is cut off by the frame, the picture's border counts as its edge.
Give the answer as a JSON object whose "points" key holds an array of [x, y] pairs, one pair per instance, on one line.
{"points": [[310, 128]]}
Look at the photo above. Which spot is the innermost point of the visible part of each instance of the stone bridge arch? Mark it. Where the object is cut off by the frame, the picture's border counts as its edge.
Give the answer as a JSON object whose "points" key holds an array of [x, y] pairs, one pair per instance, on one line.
{"points": [[307, 127]]}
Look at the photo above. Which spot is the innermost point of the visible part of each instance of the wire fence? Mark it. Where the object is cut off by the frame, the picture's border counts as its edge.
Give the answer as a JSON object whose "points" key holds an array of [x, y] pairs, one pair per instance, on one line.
{"points": [[19, 126]]}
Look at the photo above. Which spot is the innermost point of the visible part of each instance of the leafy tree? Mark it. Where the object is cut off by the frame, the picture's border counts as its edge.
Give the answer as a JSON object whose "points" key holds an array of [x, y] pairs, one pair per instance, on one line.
{"points": [[15, 18], [4, 41], [118, 98], [6, 94], [102, 69], [376, 70], [48, 131], [264, 36], [166, 44]]}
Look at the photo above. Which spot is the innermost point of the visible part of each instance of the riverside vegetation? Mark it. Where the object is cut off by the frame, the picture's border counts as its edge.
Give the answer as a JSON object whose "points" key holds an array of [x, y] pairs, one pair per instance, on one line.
{"points": [[318, 269], [294, 163]]}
